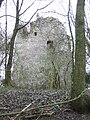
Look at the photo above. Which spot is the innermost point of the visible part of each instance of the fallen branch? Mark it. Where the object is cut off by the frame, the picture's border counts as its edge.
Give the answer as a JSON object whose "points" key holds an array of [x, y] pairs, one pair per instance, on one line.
{"points": [[4, 108], [17, 116], [38, 115], [43, 106]]}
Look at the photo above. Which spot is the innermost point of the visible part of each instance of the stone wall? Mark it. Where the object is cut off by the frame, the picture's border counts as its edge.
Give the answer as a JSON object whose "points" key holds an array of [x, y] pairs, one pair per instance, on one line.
{"points": [[35, 51]]}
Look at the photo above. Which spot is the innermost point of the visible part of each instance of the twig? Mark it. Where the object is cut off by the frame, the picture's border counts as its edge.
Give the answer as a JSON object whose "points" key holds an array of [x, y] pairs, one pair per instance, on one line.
{"points": [[34, 116], [26, 8], [17, 116], [3, 108], [35, 14], [43, 106], [39, 115]]}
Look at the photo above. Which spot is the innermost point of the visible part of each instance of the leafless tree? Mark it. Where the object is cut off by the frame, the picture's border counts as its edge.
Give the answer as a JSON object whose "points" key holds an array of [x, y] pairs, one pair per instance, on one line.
{"points": [[9, 57]]}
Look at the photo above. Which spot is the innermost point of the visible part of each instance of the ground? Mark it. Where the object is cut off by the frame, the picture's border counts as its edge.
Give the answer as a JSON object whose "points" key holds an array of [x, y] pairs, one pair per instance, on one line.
{"points": [[12, 101]]}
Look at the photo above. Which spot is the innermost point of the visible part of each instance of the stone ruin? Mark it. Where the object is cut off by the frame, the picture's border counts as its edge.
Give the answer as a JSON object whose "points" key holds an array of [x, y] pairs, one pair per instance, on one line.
{"points": [[42, 57]]}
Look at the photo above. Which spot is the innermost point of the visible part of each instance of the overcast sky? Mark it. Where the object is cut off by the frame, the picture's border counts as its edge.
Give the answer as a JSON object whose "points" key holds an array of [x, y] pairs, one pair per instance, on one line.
{"points": [[60, 7]]}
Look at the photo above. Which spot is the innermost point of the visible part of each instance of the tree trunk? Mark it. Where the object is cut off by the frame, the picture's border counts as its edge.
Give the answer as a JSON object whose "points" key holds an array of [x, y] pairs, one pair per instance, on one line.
{"points": [[10, 59], [1, 2], [78, 79]]}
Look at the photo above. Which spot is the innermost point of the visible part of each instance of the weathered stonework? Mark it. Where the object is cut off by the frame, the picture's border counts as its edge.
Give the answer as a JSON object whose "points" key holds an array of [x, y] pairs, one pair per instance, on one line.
{"points": [[41, 52]]}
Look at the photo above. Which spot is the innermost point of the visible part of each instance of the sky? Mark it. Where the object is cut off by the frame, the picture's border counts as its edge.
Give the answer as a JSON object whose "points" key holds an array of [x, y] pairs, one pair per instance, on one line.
{"points": [[57, 9]]}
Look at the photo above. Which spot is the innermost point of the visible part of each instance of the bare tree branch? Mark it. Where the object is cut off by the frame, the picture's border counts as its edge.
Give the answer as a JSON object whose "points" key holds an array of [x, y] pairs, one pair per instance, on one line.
{"points": [[1, 2], [7, 16], [21, 5], [46, 105], [26, 8], [14, 2], [12, 17], [2, 61], [35, 14], [55, 13], [72, 39], [17, 116]]}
